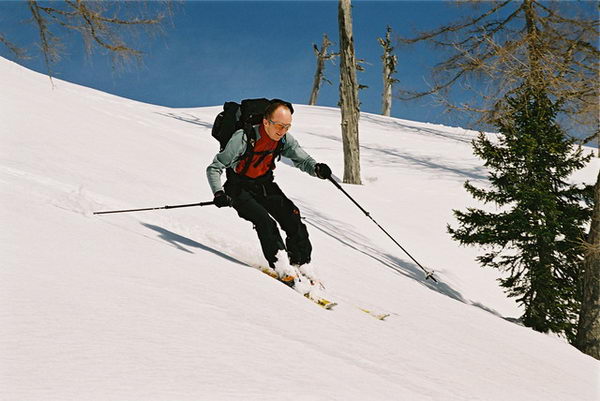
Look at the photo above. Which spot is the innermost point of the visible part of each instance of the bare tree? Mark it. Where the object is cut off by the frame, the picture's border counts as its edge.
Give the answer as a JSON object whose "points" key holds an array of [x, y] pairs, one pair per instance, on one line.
{"points": [[349, 95], [389, 60], [322, 56], [510, 42], [106, 25], [588, 334]]}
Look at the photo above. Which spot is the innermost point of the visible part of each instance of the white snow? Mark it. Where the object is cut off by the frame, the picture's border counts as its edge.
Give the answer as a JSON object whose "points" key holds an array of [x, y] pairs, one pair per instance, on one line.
{"points": [[164, 305]]}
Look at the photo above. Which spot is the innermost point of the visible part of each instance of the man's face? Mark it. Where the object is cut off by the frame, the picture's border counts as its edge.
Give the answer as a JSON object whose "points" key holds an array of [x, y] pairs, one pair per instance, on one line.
{"points": [[279, 123]]}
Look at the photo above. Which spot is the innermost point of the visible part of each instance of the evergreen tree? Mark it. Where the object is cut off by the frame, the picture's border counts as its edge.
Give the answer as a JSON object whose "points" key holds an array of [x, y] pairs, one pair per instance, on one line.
{"points": [[534, 235]]}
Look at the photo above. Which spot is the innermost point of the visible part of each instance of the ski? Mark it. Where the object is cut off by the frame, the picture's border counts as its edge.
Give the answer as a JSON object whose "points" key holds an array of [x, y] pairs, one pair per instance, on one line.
{"points": [[322, 302], [289, 282], [376, 315]]}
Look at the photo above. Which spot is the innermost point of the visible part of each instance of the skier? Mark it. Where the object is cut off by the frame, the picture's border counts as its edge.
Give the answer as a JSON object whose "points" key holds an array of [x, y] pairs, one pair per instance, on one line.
{"points": [[252, 192]]}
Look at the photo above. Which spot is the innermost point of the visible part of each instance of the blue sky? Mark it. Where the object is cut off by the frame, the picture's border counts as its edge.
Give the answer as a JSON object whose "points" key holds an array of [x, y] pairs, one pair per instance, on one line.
{"points": [[216, 51]]}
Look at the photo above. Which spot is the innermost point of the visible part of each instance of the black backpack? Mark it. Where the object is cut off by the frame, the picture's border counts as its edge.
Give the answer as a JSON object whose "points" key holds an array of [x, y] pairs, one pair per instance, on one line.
{"points": [[237, 116]]}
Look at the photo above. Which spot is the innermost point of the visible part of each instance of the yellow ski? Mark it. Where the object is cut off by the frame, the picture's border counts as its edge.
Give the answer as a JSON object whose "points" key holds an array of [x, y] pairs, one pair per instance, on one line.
{"points": [[289, 281], [379, 316]]}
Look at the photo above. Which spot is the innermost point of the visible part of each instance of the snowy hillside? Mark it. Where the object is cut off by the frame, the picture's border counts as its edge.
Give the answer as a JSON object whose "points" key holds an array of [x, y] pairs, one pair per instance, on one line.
{"points": [[164, 305]]}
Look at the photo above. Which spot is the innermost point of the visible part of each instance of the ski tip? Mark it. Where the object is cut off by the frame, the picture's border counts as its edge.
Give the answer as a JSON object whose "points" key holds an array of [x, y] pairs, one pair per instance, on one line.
{"points": [[378, 316], [328, 305], [322, 302]]}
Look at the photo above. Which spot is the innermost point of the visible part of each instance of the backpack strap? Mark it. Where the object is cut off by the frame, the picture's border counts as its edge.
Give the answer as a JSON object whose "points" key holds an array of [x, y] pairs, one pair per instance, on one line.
{"points": [[249, 153], [275, 152], [250, 142]]}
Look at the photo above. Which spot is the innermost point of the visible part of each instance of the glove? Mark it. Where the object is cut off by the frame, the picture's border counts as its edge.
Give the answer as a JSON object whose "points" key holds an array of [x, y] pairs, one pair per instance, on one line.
{"points": [[322, 171], [221, 199]]}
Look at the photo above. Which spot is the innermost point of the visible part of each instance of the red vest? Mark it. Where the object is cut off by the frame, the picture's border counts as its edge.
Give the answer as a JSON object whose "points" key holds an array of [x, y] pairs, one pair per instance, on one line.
{"points": [[261, 162]]}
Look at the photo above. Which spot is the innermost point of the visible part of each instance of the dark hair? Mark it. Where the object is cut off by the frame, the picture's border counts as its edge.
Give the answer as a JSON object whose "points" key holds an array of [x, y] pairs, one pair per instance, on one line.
{"points": [[275, 104]]}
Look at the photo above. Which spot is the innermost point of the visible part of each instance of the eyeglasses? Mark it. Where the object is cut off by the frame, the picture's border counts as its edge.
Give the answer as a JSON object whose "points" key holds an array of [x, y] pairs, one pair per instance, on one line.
{"points": [[281, 126]]}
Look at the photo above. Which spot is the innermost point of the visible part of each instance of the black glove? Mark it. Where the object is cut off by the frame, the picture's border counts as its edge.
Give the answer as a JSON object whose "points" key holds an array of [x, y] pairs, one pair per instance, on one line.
{"points": [[221, 199], [322, 170]]}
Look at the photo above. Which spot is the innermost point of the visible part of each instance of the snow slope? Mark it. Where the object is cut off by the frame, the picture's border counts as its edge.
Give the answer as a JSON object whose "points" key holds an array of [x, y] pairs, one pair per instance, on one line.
{"points": [[164, 305]]}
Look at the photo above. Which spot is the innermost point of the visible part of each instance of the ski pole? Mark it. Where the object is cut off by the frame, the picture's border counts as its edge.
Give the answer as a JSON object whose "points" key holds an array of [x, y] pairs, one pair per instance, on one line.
{"points": [[157, 208], [428, 274]]}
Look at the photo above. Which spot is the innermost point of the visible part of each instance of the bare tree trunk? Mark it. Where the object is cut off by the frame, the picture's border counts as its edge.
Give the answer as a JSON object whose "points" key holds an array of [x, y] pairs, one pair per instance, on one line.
{"points": [[322, 56], [317, 81], [389, 68], [348, 95], [386, 108], [588, 334]]}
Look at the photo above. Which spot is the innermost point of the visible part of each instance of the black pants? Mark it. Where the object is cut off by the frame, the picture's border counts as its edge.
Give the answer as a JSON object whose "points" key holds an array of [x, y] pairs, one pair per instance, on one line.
{"points": [[262, 202]]}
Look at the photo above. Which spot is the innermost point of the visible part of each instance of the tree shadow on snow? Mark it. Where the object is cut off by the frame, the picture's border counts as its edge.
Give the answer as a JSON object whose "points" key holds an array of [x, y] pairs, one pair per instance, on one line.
{"points": [[429, 163], [183, 243], [397, 125], [188, 118]]}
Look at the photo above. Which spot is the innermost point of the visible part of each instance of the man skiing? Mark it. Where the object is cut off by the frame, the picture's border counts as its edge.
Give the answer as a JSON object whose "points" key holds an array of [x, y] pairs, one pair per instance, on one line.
{"points": [[252, 192]]}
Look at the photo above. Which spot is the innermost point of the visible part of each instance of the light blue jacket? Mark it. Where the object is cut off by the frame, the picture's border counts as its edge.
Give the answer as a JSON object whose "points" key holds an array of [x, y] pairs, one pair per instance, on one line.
{"points": [[236, 147]]}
